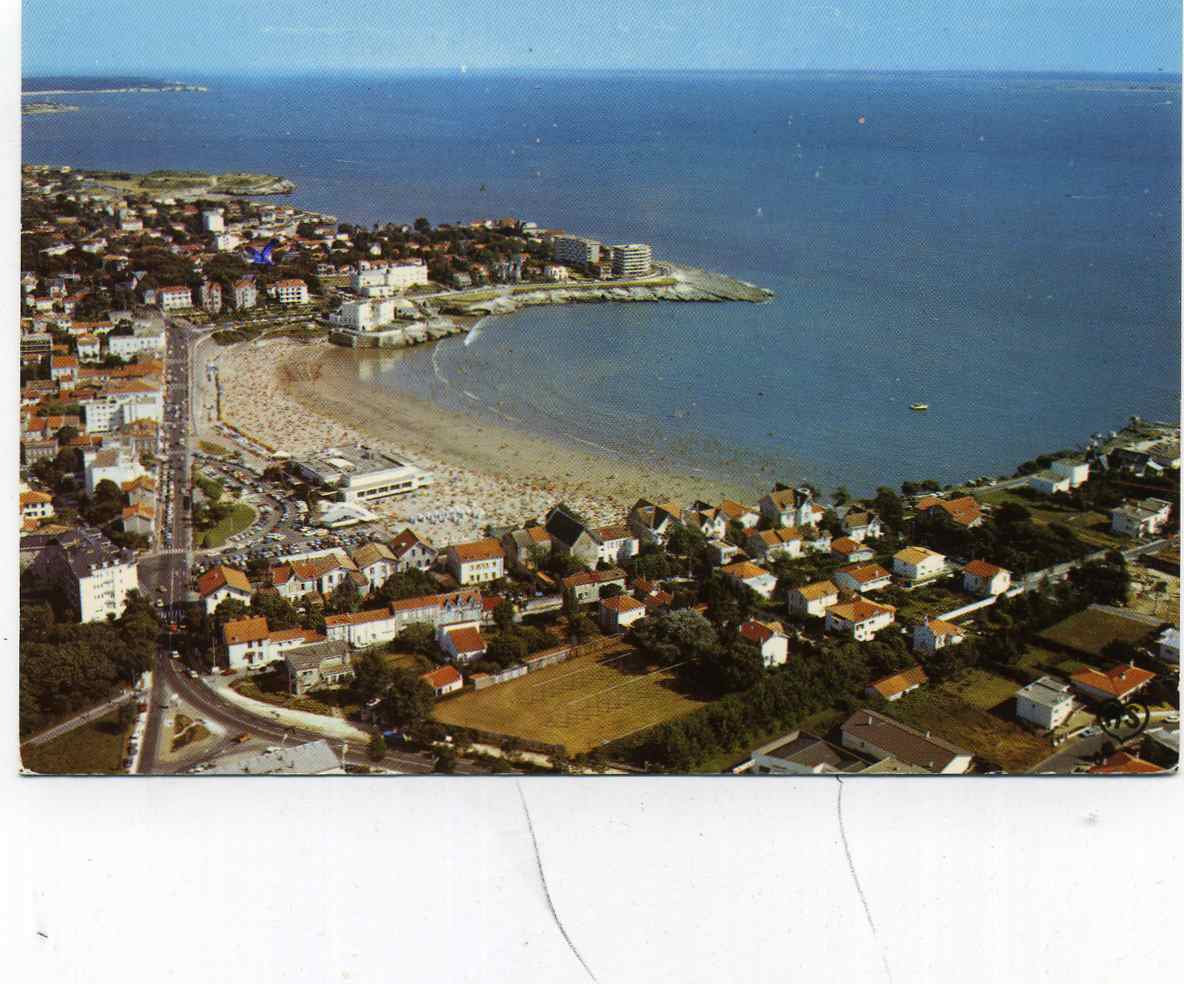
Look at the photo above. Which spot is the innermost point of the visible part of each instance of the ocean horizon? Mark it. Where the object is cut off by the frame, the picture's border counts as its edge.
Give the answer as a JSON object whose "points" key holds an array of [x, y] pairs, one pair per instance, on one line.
{"points": [[1002, 246]]}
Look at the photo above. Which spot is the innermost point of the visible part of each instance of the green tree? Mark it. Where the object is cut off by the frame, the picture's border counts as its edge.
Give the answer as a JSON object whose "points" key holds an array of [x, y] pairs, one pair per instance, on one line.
{"points": [[503, 615], [372, 675], [408, 701]]}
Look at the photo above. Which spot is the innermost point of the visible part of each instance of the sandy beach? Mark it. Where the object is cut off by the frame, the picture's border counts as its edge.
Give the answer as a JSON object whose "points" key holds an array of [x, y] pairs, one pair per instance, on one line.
{"points": [[300, 397]]}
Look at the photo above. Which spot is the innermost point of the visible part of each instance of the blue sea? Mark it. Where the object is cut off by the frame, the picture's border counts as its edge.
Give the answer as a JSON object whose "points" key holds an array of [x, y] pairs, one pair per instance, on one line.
{"points": [[1005, 248]]}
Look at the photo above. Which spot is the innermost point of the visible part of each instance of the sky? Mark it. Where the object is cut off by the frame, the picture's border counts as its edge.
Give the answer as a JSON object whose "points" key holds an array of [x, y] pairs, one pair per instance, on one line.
{"points": [[220, 37]]}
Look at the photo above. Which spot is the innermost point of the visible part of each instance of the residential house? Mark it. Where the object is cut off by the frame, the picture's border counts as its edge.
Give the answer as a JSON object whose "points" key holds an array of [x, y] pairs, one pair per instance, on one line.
{"points": [[139, 518], [372, 627], [63, 369], [89, 348], [410, 552], [861, 525], [1124, 763], [438, 609], [1076, 471], [588, 585], [791, 507], [860, 578], [222, 582], [1049, 482], [461, 642], [526, 547], [1117, 683], [737, 512], [375, 562], [173, 298], [36, 505], [720, 552], [932, 634], [619, 612], [877, 735], [477, 562], [209, 294], [767, 545], [896, 685], [653, 522], [984, 579], [801, 753], [752, 576], [321, 664], [861, 619], [813, 599], [849, 551], [1046, 703], [443, 680], [712, 523], [964, 512], [617, 544], [245, 294], [1146, 517], [769, 638], [914, 565], [250, 643], [570, 535], [322, 573]]}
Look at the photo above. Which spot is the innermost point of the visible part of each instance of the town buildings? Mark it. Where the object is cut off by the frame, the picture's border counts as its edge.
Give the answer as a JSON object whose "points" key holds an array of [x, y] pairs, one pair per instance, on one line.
{"points": [[631, 260], [576, 250], [932, 634], [94, 574], [360, 474], [860, 619], [1046, 703], [318, 665], [914, 565], [874, 734], [984, 579], [1147, 517], [384, 281], [291, 291], [476, 562]]}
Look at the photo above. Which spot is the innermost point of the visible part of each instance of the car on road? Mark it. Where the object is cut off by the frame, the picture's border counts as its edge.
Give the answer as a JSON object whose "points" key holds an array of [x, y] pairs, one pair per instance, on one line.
{"points": [[175, 655]]}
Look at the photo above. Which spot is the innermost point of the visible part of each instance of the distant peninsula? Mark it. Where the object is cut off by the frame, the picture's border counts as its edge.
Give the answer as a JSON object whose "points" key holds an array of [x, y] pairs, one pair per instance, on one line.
{"points": [[188, 184], [146, 87], [42, 108]]}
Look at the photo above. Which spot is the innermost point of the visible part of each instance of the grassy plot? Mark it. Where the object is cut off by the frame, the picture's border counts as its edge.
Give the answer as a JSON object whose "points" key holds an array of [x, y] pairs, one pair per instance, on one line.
{"points": [[1090, 631], [238, 519], [96, 747], [580, 704], [954, 711], [1091, 527]]}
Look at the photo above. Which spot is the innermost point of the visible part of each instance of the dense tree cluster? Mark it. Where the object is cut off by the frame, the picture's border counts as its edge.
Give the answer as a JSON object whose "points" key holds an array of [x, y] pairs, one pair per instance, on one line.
{"points": [[65, 666]]}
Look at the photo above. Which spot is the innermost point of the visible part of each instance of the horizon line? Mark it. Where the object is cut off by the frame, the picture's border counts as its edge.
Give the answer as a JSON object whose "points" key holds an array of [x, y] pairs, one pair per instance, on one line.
{"points": [[463, 69]]}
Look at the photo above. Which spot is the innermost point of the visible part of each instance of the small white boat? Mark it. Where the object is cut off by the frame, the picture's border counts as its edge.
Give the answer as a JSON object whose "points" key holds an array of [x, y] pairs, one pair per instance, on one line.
{"points": [[919, 407]]}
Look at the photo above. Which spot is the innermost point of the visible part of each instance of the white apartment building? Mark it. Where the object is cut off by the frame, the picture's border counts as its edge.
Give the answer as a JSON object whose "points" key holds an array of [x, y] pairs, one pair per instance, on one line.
{"points": [[245, 295], [477, 562], [576, 250], [210, 296], [174, 298], [145, 338], [212, 221], [95, 574], [225, 242], [1144, 518], [1076, 471], [294, 291], [384, 281], [113, 464], [116, 406], [363, 315], [632, 260]]}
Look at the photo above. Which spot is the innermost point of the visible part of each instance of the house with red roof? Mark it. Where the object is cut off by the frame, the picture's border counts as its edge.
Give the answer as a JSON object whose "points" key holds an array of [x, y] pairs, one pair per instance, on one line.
{"points": [[1120, 682], [222, 582], [443, 680], [984, 579], [250, 643], [619, 612], [861, 619], [932, 634], [462, 642], [896, 685], [769, 638]]}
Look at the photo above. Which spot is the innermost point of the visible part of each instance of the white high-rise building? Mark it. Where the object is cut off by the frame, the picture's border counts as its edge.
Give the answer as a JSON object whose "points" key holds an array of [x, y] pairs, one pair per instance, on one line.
{"points": [[576, 250], [632, 259], [212, 221]]}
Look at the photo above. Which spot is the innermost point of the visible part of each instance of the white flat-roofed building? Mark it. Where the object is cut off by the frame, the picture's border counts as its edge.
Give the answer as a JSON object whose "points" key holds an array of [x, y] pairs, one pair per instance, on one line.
{"points": [[576, 250], [632, 259], [1143, 518], [212, 221], [383, 281], [1045, 703], [363, 315], [144, 338], [361, 474], [1076, 471], [174, 298]]}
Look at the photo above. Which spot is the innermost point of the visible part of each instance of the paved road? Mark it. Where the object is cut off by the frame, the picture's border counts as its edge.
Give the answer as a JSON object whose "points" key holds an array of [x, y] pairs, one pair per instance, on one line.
{"points": [[78, 720], [237, 719]]}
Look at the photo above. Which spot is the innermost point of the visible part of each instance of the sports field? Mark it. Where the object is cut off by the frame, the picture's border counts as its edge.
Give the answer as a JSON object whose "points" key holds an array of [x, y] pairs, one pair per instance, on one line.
{"points": [[580, 704]]}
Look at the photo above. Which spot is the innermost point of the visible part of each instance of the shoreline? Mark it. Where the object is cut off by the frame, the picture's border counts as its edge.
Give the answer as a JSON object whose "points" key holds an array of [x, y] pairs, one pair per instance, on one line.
{"points": [[305, 396]]}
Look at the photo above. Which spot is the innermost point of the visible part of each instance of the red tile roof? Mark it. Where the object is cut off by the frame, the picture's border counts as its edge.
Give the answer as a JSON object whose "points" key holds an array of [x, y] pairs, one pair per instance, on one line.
{"points": [[222, 576], [898, 683], [250, 629], [1117, 681], [980, 568], [467, 640], [1124, 763], [487, 549], [443, 676]]}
